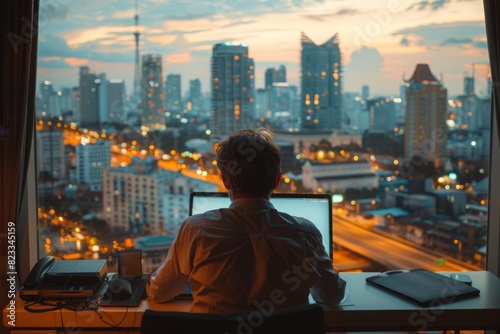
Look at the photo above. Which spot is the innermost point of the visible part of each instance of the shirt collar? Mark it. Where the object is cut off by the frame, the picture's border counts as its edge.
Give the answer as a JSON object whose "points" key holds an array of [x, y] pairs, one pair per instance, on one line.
{"points": [[251, 204]]}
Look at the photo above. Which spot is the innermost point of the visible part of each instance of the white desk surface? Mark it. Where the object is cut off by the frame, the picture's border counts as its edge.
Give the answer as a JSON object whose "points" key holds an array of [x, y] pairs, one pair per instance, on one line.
{"points": [[373, 310]]}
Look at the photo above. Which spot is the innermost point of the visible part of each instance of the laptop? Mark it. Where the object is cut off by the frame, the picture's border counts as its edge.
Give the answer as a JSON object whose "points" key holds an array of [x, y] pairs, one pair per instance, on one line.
{"points": [[315, 207]]}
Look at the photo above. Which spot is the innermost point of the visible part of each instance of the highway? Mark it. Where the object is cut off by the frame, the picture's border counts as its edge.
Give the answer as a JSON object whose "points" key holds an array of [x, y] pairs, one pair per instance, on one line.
{"points": [[388, 251]]}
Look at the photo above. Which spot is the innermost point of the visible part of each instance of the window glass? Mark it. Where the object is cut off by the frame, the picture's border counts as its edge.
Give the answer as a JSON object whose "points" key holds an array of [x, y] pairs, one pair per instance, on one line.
{"points": [[385, 105]]}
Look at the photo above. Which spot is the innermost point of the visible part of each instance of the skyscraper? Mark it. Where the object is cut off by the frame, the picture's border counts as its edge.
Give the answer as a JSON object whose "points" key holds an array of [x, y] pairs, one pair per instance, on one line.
{"points": [[152, 109], [50, 154], [89, 98], [91, 159], [273, 75], [137, 71], [233, 85], [425, 127], [43, 99], [195, 99], [382, 114], [321, 84], [115, 100], [173, 94]]}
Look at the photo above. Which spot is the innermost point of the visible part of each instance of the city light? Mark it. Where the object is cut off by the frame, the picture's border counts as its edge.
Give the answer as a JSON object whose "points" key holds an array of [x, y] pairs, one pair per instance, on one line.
{"points": [[368, 135]]}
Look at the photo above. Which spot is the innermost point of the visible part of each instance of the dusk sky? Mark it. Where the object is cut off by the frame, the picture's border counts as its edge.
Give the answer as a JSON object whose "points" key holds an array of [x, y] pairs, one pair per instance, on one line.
{"points": [[380, 41]]}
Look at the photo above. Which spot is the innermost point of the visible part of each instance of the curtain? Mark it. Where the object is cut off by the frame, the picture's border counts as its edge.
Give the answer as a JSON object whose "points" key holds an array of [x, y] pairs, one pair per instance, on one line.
{"points": [[492, 18], [19, 23]]}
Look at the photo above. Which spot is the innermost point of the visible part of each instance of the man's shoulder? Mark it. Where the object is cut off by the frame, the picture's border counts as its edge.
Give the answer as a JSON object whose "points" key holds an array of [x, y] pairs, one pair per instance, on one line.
{"points": [[211, 218], [300, 223]]}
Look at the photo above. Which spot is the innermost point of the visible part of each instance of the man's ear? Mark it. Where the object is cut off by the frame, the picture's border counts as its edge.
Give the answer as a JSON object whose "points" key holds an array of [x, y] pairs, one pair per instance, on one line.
{"points": [[277, 182]]}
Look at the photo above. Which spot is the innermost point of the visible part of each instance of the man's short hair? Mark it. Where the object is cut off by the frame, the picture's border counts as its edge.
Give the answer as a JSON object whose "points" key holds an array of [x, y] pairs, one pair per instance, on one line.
{"points": [[250, 161]]}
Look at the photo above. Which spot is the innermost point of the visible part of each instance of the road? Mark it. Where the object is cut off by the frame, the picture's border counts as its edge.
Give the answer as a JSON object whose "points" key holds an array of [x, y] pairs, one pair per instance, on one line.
{"points": [[387, 251]]}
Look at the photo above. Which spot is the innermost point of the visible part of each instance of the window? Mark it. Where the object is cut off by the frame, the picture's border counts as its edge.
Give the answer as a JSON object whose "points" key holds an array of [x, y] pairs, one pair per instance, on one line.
{"points": [[421, 175]]}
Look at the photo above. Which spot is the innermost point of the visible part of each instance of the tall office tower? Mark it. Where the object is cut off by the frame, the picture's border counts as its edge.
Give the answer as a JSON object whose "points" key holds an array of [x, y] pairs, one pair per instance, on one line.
{"points": [[425, 128], [115, 100], [173, 94], [321, 84], [153, 97], [365, 92], [273, 75], [262, 104], [195, 99], [43, 107], [50, 154], [281, 100], [137, 72], [64, 102], [75, 102], [233, 89], [270, 77], [91, 159], [469, 88], [102, 97], [89, 99], [467, 115], [382, 114], [281, 74]]}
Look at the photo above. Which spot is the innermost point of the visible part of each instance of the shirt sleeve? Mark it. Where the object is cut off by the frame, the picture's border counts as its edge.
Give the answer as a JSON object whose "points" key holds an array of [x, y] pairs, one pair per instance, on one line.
{"points": [[168, 281], [329, 289]]}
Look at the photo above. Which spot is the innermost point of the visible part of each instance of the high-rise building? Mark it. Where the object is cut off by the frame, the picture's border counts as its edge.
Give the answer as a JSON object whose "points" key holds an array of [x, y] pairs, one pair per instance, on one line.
{"points": [[365, 92], [64, 103], [142, 198], [281, 74], [469, 88], [43, 99], [91, 159], [89, 98], [281, 100], [173, 94], [152, 109], [137, 72], [102, 97], [75, 102], [50, 154], [124, 208], [273, 75], [115, 100], [195, 99], [382, 114], [426, 110], [233, 89], [321, 84]]}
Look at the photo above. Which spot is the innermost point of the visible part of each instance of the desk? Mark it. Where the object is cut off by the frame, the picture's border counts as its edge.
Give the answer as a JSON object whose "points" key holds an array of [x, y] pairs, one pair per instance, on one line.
{"points": [[373, 310]]}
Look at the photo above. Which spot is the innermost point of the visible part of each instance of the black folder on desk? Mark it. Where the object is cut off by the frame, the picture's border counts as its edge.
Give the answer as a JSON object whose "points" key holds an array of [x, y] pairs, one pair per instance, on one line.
{"points": [[423, 287]]}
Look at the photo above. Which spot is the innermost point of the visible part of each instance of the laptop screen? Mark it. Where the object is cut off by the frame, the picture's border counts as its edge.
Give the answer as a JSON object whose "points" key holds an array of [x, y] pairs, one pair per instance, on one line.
{"points": [[315, 207]]}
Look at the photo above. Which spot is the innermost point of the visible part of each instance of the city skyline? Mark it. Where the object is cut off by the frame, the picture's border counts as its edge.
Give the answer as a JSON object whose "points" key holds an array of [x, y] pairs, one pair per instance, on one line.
{"points": [[380, 42]]}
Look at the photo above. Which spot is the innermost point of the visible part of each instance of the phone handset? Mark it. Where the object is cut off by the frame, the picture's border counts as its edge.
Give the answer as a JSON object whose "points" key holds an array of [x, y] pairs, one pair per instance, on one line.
{"points": [[37, 272]]}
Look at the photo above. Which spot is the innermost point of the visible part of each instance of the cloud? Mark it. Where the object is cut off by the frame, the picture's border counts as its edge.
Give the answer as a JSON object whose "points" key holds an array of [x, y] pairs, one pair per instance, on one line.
{"points": [[327, 17], [52, 63], [444, 34], [52, 11], [404, 41], [365, 67], [51, 45], [456, 41], [432, 5]]}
